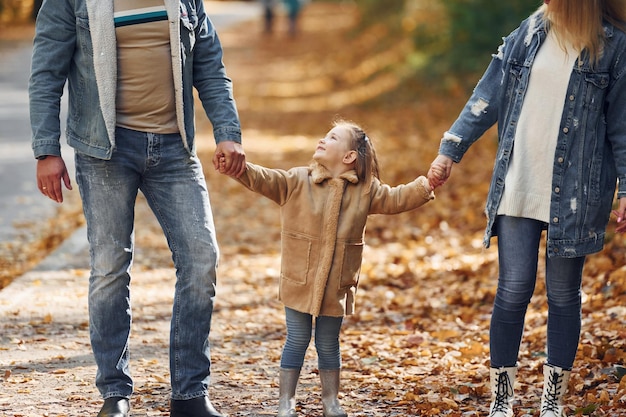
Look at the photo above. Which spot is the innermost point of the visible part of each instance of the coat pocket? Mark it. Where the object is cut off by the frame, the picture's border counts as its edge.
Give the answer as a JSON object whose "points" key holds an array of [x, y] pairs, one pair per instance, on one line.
{"points": [[596, 87], [351, 266], [296, 265]]}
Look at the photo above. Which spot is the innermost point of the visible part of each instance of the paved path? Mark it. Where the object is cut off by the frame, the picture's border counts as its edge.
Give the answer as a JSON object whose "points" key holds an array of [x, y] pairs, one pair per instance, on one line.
{"points": [[19, 198], [46, 367]]}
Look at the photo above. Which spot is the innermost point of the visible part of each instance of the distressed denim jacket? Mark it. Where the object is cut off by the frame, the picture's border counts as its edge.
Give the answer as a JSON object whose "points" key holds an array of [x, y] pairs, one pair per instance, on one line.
{"points": [[591, 146], [75, 42]]}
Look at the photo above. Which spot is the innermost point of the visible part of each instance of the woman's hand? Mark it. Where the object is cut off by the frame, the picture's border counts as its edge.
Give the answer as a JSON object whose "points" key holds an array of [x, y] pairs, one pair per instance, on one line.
{"points": [[439, 171], [620, 213]]}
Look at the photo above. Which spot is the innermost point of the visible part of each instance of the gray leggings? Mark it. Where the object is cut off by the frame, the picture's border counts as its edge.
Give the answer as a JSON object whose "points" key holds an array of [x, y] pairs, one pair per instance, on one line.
{"points": [[299, 330]]}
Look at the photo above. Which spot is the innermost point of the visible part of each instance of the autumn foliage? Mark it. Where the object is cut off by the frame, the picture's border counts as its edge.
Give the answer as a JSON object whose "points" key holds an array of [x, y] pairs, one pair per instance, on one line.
{"points": [[418, 345]]}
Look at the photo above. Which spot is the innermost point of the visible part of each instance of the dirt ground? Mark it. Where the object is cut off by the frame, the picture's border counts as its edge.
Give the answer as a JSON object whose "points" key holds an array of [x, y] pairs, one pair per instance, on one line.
{"points": [[47, 368], [418, 345]]}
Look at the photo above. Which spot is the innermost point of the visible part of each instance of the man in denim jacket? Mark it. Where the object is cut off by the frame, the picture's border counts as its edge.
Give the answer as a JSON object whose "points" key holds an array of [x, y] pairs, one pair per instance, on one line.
{"points": [[130, 67]]}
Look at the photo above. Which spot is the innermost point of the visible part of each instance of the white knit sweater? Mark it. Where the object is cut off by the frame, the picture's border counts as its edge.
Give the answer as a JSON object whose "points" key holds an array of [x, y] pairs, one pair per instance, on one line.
{"points": [[528, 181]]}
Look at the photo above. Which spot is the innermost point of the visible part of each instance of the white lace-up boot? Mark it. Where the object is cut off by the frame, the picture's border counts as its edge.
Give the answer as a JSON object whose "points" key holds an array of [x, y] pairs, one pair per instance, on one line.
{"points": [[554, 388], [501, 382]]}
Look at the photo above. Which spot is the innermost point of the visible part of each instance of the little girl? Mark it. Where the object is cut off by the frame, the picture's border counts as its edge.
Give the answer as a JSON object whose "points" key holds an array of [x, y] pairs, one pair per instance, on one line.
{"points": [[324, 208]]}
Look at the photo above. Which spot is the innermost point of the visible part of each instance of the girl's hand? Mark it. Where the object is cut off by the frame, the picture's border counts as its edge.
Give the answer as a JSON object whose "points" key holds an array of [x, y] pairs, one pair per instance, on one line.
{"points": [[221, 160], [620, 213], [439, 171], [234, 158]]}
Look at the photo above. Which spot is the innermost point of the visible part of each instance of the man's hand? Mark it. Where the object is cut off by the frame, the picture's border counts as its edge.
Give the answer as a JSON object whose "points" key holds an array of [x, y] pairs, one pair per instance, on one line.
{"points": [[229, 158], [51, 171], [439, 171], [620, 213]]}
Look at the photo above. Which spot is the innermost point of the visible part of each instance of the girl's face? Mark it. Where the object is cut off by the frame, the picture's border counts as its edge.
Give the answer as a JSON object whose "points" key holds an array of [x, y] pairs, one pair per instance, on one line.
{"points": [[332, 149]]}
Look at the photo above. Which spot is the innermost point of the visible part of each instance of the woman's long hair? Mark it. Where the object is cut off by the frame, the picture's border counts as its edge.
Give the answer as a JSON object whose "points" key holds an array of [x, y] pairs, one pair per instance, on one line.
{"points": [[580, 22]]}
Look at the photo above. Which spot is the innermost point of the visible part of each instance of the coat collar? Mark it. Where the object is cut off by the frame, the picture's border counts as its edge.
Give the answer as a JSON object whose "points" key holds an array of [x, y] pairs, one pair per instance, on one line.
{"points": [[319, 174]]}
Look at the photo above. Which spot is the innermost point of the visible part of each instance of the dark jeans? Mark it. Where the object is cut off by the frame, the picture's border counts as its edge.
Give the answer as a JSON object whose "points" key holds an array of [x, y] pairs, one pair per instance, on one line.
{"points": [[518, 251]]}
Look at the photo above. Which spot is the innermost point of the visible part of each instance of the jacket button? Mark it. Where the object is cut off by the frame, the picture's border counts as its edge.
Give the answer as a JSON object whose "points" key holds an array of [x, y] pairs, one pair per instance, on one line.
{"points": [[557, 190], [555, 220], [565, 129], [560, 159]]}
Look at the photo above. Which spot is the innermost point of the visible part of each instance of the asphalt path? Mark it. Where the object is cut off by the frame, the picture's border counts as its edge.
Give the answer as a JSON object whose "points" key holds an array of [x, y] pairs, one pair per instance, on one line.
{"points": [[20, 200]]}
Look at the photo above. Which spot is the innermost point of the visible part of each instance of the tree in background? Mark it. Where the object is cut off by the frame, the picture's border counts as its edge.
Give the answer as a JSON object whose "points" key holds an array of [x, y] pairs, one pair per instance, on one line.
{"points": [[452, 37], [376, 11], [18, 11], [476, 28]]}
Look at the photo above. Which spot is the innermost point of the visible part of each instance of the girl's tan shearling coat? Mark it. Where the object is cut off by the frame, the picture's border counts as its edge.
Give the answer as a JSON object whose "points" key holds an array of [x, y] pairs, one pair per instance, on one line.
{"points": [[323, 224]]}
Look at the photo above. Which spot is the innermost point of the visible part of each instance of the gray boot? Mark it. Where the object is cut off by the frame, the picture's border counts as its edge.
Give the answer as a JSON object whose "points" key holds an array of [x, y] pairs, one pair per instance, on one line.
{"points": [[287, 383], [330, 390], [501, 382], [554, 388]]}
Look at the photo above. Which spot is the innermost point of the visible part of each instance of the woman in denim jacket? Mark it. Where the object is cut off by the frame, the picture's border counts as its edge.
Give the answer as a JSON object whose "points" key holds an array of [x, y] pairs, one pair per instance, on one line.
{"points": [[131, 67], [557, 90]]}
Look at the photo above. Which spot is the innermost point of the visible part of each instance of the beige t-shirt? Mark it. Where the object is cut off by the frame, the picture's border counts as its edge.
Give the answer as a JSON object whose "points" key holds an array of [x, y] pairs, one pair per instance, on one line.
{"points": [[528, 183], [145, 86]]}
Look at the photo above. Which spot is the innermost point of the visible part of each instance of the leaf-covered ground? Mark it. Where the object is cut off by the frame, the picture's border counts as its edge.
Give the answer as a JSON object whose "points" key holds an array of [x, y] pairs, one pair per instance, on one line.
{"points": [[418, 344]]}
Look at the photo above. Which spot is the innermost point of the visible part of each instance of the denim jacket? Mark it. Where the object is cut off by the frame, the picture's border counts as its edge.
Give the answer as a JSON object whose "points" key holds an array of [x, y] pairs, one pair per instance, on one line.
{"points": [[591, 145], [75, 42]]}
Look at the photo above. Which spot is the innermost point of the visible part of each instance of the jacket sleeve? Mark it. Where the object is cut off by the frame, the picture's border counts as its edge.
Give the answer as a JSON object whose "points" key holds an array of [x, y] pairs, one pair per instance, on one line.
{"points": [[53, 51], [214, 88], [275, 184], [481, 110], [616, 122], [392, 200]]}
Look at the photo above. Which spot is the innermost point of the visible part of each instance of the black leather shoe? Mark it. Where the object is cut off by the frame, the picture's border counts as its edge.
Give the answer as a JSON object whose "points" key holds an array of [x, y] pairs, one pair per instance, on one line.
{"points": [[115, 407], [196, 407]]}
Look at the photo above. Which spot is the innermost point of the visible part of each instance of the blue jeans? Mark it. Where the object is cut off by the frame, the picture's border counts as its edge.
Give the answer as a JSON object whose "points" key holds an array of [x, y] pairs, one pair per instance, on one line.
{"points": [[299, 330], [174, 186], [518, 252]]}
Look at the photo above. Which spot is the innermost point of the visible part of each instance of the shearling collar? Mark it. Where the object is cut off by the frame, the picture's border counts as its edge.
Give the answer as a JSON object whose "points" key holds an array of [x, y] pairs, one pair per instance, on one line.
{"points": [[319, 173]]}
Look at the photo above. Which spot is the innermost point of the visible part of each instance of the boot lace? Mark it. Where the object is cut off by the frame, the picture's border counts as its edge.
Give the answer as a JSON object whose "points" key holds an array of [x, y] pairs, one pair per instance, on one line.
{"points": [[504, 390], [552, 393]]}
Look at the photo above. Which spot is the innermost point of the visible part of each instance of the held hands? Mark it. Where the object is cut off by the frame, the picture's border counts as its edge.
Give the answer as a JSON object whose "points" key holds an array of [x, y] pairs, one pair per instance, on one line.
{"points": [[439, 171], [441, 168], [620, 213], [229, 158], [50, 173], [222, 163]]}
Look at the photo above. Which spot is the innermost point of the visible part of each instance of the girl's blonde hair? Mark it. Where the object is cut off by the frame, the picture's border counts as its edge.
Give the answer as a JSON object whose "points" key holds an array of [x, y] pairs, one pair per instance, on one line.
{"points": [[366, 164], [580, 22]]}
